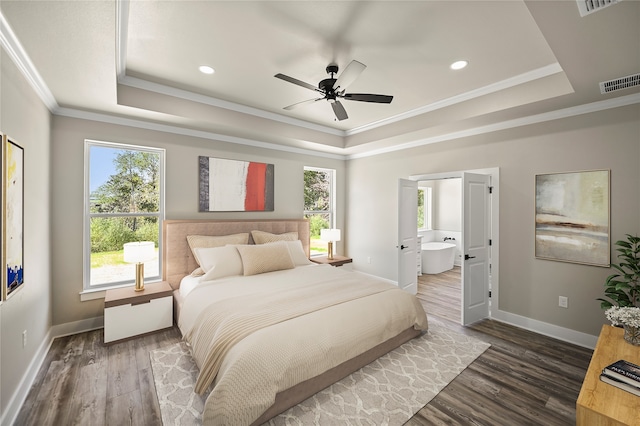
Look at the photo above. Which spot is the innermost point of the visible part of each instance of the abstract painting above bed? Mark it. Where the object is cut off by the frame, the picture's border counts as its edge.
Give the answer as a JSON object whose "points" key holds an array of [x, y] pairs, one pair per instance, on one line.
{"points": [[235, 186]]}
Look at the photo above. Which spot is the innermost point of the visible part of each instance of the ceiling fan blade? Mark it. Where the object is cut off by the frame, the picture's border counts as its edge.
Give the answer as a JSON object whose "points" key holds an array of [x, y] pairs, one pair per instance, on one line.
{"points": [[368, 97], [297, 82], [339, 111], [299, 104], [349, 75]]}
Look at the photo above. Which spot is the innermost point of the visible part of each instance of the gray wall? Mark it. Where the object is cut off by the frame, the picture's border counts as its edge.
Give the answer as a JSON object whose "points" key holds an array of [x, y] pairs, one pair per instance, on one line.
{"points": [[529, 287], [181, 193], [25, 119]]}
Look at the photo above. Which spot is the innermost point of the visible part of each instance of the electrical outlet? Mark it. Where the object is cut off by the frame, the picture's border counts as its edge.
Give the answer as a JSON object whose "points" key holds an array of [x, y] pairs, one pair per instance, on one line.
{"points": [[24, 339], [563, 301]]}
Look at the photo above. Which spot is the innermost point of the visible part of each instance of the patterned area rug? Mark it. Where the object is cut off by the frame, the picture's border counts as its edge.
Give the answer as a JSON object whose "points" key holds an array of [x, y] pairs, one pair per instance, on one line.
{"points": [[389, 391]]}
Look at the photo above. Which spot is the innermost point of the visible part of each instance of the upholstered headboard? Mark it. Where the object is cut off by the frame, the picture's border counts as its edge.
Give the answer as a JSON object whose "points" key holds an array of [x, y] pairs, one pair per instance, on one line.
{"points": [[177, 259]]}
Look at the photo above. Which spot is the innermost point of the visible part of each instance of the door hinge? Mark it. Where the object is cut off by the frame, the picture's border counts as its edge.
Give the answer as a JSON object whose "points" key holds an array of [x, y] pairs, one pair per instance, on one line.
{"points": [[490, 242], [489, 293], [491, 190]]}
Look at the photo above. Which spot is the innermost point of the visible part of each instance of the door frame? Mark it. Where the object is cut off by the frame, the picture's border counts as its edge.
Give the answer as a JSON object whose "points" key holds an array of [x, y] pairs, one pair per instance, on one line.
{"points": [[494, 277]]}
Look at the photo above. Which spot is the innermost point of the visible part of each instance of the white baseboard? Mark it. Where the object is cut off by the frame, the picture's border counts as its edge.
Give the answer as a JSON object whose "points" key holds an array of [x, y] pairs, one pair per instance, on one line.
{"points": [[76, 327], [565, 334], [20, 395], [546, 329]]}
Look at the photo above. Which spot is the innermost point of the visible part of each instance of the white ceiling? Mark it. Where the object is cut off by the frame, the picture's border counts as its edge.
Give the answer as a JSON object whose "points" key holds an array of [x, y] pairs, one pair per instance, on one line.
{"points": [[528, 61]]}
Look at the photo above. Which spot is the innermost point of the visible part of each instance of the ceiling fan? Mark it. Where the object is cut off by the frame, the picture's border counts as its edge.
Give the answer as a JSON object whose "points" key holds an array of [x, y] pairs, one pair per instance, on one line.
{"points": [[333, 89]]}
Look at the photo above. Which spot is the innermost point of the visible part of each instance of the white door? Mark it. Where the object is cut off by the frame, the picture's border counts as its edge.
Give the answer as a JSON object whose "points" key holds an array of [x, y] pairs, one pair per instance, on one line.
{"points": [[475, 247], [407, 235]]}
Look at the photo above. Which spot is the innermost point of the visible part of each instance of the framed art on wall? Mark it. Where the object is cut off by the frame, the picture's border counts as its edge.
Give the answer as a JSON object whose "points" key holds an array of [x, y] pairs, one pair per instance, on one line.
{"points": [[13, 216], [572, 217], [234, 186]]}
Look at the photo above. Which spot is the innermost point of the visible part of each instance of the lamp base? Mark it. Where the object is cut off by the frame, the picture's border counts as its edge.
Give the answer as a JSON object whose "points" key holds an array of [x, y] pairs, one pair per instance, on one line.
{"points": [[330, 248], [139, 277]]}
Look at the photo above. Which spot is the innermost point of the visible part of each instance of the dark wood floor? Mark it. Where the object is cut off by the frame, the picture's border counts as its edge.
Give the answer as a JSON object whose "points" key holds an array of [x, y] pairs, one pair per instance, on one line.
{"points": [[522, 379], [440, 294]]}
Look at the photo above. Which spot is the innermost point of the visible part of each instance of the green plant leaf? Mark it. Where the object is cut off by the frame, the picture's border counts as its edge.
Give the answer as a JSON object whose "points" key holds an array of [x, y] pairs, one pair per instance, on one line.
{"points": [[623, 288]]}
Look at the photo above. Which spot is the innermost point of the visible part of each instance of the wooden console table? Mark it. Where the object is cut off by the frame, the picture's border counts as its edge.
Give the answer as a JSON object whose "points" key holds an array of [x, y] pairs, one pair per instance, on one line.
{"points": [[602, 404]]}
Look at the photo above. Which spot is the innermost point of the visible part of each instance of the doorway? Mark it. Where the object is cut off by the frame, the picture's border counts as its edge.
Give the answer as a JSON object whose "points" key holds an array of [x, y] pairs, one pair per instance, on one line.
{"points": [[480, 247]]}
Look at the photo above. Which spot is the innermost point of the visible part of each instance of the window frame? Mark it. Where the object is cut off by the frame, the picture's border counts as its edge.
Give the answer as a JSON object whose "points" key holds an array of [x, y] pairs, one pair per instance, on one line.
{"points": [[427, 202], [332, 199], [87, 215]]}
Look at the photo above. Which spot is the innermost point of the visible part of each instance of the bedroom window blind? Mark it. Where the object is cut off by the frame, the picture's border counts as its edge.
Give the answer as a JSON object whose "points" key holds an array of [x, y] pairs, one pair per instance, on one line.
{"points": [[124, 200], [319, 205]]}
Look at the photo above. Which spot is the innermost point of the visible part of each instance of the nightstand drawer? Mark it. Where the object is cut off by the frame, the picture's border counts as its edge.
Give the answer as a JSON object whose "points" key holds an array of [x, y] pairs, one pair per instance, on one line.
{"points": [[132, 319]]}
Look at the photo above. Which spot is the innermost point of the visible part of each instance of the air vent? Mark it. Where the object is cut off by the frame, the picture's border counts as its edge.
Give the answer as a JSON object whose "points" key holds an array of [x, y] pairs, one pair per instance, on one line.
{"points": [[620, 83], [587, 7]]}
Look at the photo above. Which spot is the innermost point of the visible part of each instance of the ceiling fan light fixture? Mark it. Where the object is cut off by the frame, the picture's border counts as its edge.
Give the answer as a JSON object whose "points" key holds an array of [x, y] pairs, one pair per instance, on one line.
{"points": [[458, 65], [205, 69]]}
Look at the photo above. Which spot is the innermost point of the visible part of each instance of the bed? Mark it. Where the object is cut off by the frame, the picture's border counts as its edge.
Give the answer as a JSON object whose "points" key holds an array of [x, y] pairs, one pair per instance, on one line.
{"points": [[267, 327]]}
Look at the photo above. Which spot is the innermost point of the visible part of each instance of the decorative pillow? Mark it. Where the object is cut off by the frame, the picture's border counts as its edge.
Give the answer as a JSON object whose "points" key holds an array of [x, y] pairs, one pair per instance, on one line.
{"points": [[258, 259], [198, 272], [261, 237], [219, 262], [297, 253], [203, 241]]}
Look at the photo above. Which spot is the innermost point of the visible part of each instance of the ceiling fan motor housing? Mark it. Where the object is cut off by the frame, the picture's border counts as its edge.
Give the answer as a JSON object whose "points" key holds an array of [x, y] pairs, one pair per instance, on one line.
{"points": [[326, 86]]}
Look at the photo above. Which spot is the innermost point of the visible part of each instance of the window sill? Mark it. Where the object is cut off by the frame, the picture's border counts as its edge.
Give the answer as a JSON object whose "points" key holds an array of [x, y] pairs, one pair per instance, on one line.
{"points": [[99, 293]]}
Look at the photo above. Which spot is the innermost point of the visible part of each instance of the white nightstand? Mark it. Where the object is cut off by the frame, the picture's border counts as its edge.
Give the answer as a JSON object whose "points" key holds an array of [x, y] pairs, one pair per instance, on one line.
{"points": [[129, 313]]}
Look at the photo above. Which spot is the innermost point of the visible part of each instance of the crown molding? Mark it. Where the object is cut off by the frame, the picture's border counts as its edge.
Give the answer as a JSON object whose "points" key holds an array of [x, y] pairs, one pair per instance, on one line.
{"points": [[168, 128], [19, 56], [527, 77], [509, 124], [209, 100], [122, 33]]}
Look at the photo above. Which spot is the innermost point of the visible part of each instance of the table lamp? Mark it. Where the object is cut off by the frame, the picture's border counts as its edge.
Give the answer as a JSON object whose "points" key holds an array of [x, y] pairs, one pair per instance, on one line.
{"points": [[138, 253], [330, 235]]}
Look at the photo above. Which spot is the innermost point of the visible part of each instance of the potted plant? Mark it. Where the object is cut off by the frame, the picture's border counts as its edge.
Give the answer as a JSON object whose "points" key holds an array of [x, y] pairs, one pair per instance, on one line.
{"points": [[622, 290]]}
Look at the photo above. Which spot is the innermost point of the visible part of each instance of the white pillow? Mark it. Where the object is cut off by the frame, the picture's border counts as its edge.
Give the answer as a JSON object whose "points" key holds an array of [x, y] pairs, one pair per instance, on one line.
{"points": [[187, 284], [258, 259], [261, 237], [297, 253], [219, 262], [208, 241]]}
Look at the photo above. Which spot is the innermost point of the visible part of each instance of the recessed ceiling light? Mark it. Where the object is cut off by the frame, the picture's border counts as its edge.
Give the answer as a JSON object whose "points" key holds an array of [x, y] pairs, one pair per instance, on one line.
{"points": [[205, 69], [458, 65]]}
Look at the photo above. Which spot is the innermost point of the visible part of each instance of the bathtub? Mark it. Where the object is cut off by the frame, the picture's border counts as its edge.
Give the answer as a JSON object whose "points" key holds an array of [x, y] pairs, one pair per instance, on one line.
{"points": [[437, 257]]}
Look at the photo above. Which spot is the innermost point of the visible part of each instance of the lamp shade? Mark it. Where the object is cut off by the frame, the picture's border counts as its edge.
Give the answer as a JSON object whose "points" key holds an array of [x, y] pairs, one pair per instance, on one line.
{"points": [[138, 252], [330, 234]]}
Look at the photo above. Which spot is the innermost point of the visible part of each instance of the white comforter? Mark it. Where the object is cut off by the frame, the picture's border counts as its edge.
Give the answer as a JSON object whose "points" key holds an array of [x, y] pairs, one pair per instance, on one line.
{"points": [[274, 358]]}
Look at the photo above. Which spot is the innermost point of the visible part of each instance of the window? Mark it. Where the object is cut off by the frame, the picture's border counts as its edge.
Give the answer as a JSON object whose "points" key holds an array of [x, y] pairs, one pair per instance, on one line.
{"points": [[319, 204], [424, 208], [124, 202]]}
